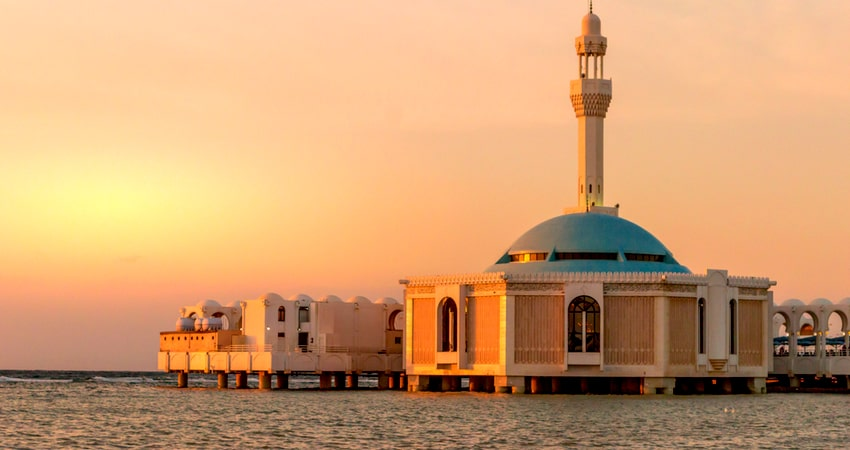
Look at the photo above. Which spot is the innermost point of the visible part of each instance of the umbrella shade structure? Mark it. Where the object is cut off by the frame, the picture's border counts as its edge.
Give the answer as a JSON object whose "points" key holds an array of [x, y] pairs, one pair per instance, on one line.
{"points": [[805, 341], [839, 340], [779, 340]]}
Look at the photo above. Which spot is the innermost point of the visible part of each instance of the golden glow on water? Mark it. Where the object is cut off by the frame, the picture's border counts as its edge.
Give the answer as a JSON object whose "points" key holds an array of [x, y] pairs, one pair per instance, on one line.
{"points": [[112, 410]]}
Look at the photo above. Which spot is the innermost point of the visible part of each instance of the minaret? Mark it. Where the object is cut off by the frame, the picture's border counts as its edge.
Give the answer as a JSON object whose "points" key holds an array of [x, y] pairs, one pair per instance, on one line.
{"points": [[591, 95]]}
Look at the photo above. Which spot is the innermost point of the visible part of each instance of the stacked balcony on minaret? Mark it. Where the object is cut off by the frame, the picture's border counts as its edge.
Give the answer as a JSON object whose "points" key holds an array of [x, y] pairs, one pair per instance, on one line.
{"points": [[591, 95]]}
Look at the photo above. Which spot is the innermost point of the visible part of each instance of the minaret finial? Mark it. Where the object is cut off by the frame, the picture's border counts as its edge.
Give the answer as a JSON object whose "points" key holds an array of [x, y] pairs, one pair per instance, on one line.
{"points": [[591, 6]]}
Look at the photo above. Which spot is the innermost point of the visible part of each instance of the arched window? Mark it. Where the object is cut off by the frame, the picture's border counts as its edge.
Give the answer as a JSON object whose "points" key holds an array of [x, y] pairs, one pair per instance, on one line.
{"points": [[701, 337], [583, 319], [396, 321], [447, 326], [281, 314], [733, 315]]}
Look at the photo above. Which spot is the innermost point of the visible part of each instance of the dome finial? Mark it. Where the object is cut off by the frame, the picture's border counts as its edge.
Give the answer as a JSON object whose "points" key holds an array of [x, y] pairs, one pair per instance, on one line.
{"points": [[590, 2]]}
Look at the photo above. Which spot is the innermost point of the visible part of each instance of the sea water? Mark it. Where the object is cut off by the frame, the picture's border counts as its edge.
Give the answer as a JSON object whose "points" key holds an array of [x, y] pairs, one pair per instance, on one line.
{"points": [[145, 410]]}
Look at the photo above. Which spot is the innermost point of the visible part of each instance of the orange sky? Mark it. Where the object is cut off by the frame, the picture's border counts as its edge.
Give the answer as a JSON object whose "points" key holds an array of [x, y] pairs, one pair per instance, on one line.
{"points": [[159, 153]]}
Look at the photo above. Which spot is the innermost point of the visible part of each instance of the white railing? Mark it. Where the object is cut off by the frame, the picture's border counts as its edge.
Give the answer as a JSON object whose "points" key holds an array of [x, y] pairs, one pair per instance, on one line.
{"points": [[245, 348]]}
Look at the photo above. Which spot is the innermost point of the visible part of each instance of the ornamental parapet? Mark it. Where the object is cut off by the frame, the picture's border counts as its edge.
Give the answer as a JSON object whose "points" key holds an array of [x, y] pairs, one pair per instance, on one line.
{"points": [[584, 277]]}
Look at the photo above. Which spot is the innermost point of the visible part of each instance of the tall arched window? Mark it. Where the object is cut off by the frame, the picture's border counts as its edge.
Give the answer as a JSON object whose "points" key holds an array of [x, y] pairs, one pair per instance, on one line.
{"points": [[583, 319], [281, 314], [701, 337], [733, 316], [447, 326]]}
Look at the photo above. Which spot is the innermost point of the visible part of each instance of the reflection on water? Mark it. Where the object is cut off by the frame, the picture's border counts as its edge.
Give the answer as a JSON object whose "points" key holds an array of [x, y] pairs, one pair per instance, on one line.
{"points": [[145, 411]]}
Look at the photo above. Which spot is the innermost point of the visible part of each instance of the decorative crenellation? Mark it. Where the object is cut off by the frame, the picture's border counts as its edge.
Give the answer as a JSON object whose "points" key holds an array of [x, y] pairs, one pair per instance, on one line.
{"points": [[643, 287], [732, 281], [755, 292], [469, 278], [591, 104], [413, 290], [486, 288], [530, 287]]}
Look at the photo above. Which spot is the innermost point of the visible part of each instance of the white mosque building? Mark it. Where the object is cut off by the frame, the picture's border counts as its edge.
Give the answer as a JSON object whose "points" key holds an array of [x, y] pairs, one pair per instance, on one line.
{"points": [[588, 301], [585, 302]]}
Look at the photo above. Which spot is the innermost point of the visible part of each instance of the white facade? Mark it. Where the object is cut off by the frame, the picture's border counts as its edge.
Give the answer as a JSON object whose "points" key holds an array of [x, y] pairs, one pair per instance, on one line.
{"points": [[294, 335]]}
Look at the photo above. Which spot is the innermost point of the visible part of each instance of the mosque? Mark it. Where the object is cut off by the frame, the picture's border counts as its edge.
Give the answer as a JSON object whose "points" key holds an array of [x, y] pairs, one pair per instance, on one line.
{"points": [[588, 301], [585, 302]]}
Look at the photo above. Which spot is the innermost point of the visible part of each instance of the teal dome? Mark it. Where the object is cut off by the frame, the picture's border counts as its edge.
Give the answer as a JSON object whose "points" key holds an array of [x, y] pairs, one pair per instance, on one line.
{"points": [[587, 242]]}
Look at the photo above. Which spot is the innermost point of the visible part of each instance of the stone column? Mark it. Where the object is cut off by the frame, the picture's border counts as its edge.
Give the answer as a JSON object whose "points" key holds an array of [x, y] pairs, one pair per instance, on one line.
{"points": [[384, 381], [509, 385], [659, 385], [351, 381], [282, 381], [757, 385], [265, 380], [475, 384], [182, 379], [324, 380], [339, 381], [415, 383], [222, 380], [241, 380], [536, 385]]}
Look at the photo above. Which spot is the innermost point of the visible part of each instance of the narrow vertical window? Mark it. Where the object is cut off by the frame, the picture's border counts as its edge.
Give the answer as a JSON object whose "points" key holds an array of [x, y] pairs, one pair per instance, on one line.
{"points": [[583, 325], [733, 313], [701, 337], [281, 314], [447, 326]]}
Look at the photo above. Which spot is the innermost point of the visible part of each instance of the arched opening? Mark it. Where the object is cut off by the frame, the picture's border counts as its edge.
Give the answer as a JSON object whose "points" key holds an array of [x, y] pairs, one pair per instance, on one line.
{"points": [[806, 339], [396, 321], [447, 326], [733, 327], [281, 314], [780, 334], [835, 340], [583, 320], [225, 322], [701, 314]]}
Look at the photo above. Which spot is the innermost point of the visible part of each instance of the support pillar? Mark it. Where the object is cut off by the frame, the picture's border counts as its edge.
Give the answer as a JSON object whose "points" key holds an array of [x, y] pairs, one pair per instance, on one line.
{"points": [[757, 385], [265, 380], [222, 380], [182, 379], [556, 385], [241, 380], [476, 384], [282, 381], [324, 381], [793, 382], [727, 385], [384, 381], [536, 385], [665, 386], [450, 384], [415, 383], [339, 380], [393, 381], [402, 381], [509, 385], [351, 381]]}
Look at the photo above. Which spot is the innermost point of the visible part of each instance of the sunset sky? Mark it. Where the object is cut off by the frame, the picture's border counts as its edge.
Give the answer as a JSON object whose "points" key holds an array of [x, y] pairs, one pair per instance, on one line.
{"points": [[159, 153]]}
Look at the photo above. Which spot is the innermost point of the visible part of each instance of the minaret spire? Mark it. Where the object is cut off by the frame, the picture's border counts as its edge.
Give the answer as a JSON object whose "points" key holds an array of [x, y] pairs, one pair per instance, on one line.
{"points": [[590, 95]]}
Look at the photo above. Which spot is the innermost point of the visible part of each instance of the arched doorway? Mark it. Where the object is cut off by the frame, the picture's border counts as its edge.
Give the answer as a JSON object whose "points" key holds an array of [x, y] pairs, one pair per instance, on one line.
{"points": [[447, 325], [583, 318]]}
